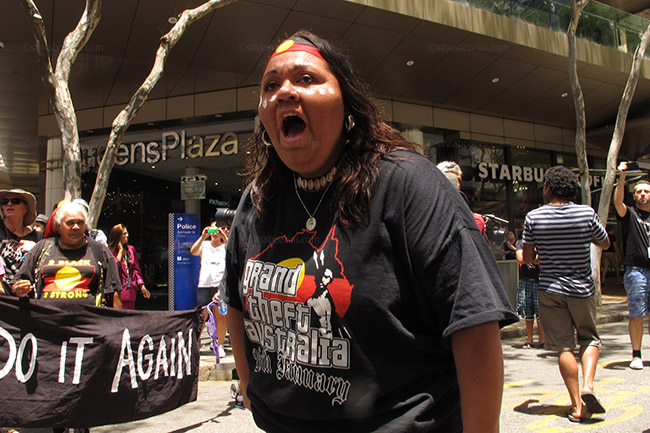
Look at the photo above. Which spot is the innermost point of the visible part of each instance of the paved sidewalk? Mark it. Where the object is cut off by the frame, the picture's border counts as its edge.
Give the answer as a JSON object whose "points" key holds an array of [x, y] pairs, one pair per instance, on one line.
{"points": [[613, 309], [208, 367]]}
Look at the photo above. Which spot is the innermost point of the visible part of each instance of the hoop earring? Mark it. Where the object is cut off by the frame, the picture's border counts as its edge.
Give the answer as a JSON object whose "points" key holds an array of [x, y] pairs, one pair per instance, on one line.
{"points": [[349, 123], [265, 139]]}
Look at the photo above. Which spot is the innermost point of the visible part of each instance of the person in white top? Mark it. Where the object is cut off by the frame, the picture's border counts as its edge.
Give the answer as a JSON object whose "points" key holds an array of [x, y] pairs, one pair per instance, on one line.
{"points": [[211, 246]]}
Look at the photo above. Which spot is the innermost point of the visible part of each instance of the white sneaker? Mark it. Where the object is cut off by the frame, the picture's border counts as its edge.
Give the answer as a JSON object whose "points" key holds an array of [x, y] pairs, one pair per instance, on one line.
{"points": [[636, 364], [222, 353]]}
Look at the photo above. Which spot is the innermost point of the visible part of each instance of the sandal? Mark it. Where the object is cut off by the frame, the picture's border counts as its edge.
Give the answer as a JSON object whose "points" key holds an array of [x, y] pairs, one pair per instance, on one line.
{"points": [[527, 346], [592, 403], [574, 418]]}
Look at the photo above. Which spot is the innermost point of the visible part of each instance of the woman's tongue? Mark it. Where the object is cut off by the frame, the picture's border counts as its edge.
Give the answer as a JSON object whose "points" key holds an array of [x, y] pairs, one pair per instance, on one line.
{"points": [[293, 127]]}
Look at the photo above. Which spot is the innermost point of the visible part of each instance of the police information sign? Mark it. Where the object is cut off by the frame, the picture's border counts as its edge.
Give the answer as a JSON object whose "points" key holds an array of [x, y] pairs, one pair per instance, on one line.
{"points": [[193, 187], [82, 366], [184, 230]]}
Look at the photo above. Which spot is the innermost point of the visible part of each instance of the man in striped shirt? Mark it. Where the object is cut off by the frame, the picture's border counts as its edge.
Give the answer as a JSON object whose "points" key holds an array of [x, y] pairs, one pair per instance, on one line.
{"points": [[562, 232]]}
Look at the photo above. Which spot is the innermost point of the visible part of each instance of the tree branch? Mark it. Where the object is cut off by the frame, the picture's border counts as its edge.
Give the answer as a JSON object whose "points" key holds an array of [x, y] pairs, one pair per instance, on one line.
{"points": [[578, 102], [77, 39], [124, 118], [619, 128], [35, 20], [56, 85]]}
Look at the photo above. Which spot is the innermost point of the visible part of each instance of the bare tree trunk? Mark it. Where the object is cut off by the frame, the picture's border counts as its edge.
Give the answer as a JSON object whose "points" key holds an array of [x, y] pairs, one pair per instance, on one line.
{"points": [[617, 136], [123, 120], [577, 6], [578, 102], [56, 84], [619, 127]]}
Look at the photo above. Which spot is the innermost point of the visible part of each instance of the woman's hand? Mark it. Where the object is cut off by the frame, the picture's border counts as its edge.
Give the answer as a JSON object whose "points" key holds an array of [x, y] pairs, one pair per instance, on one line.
{"points": [[120, 251], [247, 401], [145, 292], [26, 246], [224, 234], [21, 288]]}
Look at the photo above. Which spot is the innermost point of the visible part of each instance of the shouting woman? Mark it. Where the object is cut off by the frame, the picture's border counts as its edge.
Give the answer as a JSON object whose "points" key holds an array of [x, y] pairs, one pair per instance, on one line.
{"points": [[362, 296]]}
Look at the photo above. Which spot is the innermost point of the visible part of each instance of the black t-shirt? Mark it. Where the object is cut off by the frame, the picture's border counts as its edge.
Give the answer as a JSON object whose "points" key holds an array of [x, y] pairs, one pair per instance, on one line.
{"points": [[612, 241], [636, 231], [529, 271], [70, 275], [327, 312], [510, 254], [11, 254]]}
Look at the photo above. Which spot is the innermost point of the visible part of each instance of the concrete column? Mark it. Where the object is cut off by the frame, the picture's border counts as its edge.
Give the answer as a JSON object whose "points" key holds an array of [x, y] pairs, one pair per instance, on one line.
{"points": [[415, 136], [19, 89], [193, 206], [54, 190]]}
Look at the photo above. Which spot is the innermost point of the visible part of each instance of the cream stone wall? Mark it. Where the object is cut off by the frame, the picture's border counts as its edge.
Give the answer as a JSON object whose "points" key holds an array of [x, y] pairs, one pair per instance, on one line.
{"points": [[471, 126], [472, 19], [492, 129]]}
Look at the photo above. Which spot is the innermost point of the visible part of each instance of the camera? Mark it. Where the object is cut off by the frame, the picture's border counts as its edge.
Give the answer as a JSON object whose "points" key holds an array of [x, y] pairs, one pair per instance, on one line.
{"points": [[223, 217], [213, 230], [632, 166]]}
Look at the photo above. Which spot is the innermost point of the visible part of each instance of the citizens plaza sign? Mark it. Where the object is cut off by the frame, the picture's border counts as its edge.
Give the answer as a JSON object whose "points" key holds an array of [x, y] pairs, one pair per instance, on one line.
{"points": [[171, 145]]}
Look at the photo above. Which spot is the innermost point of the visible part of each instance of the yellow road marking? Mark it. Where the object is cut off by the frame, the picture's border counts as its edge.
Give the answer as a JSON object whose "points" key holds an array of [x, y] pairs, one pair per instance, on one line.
{"points": [[519, 383], [553, 404]]}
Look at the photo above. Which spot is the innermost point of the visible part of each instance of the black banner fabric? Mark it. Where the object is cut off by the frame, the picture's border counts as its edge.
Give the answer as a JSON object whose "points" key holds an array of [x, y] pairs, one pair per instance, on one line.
{"points": [[84, 366]]}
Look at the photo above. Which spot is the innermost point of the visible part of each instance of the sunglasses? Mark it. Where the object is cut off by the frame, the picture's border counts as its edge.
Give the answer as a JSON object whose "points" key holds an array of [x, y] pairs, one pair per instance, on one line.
{"points": [[14, 201]]}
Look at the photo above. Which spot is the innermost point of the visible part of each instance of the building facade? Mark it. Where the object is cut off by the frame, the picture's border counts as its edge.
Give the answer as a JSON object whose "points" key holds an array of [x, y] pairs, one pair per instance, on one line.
{"points": [[481, 83]]}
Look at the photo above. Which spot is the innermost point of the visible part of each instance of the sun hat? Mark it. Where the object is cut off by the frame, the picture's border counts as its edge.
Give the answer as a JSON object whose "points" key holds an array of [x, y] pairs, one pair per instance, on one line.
{"points": [[29, 198]]}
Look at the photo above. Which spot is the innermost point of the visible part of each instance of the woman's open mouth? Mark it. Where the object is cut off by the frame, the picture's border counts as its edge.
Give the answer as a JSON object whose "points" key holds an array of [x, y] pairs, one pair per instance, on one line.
{"points": [[292, 127]]}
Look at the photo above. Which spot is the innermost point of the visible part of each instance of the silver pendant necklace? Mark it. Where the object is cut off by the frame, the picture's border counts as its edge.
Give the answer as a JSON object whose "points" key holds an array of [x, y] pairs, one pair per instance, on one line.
{"points": [[311, 221]]}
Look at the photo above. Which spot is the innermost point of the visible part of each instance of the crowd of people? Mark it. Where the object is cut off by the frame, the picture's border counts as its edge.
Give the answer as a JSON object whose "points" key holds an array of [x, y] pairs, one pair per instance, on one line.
{"points": [[346, 237]]}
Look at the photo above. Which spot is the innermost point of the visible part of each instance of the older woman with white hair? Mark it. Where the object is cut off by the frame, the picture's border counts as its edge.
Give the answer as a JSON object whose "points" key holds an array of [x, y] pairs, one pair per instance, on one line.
{"points": [[18, 211], [70, 267]]}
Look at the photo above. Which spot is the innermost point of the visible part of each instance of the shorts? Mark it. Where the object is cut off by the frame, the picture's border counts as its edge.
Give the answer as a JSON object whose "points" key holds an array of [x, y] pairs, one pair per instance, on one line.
{"points": [[637, 287], [560, 315], [204, 295], [527, 299], [609, 259]]}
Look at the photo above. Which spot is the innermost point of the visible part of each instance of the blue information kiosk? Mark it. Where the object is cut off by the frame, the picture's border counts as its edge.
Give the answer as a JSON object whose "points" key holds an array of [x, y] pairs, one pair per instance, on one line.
{"points": [[184, 230]]}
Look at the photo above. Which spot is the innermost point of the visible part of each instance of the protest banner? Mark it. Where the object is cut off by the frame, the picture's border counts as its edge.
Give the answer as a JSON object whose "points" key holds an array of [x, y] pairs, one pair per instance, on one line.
{"points": [[82, 366]]}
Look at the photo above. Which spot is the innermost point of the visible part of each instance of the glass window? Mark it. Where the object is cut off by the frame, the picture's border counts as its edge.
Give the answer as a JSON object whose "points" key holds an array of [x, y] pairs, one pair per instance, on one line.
{"points": [[568, 160], [431, 143], [481, 164], [527, 193]]}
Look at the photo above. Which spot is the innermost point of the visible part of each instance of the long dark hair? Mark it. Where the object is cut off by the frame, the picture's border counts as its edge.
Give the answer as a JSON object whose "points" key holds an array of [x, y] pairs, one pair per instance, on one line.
{"points": [[114, 238], [370, 140]]}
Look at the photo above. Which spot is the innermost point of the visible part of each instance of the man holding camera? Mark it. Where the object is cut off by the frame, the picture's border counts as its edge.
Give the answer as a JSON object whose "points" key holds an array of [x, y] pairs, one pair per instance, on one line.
{"points": [[636, 231]]}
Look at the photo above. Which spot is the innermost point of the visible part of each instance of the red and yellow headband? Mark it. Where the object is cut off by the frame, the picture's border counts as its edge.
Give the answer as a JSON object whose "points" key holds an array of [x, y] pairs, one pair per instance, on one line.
{"points": [[297, 44]]}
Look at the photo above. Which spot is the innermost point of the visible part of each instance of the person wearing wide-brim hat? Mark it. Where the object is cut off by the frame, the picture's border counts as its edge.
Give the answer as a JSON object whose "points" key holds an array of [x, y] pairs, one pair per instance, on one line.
{"points": [[18, 212]]}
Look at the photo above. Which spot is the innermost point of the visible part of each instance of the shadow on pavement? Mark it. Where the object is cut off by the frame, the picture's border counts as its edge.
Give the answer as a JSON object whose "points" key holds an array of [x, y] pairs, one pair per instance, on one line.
{"points": [[549, 409], [215, 419]]}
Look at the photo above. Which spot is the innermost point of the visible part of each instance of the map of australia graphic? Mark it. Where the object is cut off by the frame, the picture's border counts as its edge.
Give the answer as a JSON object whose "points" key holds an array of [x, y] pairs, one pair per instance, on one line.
{"points": [[322, 260]]}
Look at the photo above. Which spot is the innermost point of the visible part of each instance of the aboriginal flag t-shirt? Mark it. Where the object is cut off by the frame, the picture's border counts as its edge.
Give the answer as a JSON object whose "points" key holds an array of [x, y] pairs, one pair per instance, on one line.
{"points": [[348, 328], [70, 275]]}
